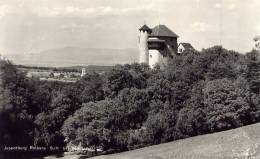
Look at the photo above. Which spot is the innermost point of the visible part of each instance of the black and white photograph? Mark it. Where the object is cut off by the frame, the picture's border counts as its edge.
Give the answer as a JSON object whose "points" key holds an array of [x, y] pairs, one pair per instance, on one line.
{"points": [[129, 79]]}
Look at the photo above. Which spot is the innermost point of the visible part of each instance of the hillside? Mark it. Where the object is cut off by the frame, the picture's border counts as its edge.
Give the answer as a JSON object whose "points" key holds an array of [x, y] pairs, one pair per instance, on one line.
{"points": [[238, 143], [74, 56]]}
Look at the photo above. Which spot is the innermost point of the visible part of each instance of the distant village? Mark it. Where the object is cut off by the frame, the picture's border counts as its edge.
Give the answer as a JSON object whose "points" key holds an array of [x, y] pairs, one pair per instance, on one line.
{"points": [[67, 74], [51, 74], [54, 76]]}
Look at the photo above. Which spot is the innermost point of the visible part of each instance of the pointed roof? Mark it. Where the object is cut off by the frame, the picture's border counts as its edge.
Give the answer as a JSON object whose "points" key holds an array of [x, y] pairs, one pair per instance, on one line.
{"points": [[187, 45], [145, 28], [162, 30]]}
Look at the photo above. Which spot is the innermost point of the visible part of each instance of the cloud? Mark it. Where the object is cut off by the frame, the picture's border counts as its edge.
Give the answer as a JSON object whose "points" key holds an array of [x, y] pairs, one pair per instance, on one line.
{"points": [[72, 26], [71, 11], [197, 3], [231, 6], [17, 10], [227, 6], [201, 26], [7, 9], [258, 28], [89, 12], [217, 5]]}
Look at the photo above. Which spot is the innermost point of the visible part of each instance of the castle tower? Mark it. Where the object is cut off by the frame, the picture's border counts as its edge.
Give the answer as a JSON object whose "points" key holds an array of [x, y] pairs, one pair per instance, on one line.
{"points": [[143, 44], [157, 45]]}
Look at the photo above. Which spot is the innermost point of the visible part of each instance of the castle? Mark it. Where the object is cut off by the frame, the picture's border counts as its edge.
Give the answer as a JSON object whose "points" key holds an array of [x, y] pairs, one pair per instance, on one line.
{"points": [[157, 45]]}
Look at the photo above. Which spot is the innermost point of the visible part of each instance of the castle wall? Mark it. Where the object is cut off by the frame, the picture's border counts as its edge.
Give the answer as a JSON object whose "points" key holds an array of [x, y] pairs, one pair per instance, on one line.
{"points": [[156, 58], [143, 47]]}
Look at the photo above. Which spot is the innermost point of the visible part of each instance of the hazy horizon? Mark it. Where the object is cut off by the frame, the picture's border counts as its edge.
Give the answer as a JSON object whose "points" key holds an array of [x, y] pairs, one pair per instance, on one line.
{"points": [[29, 26], [75, 56]]}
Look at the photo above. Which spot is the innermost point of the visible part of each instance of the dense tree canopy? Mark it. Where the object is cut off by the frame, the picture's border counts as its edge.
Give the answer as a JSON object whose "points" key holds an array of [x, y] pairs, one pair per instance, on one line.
{"points": [[132, 106]]}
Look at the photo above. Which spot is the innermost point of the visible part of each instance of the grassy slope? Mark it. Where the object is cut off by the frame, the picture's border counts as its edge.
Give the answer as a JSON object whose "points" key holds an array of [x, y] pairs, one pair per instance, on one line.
{"points": [[241, 143]]}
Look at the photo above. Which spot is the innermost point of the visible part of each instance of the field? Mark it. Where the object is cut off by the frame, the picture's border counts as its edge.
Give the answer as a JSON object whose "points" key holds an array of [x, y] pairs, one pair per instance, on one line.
{"points": [[240, 143]]}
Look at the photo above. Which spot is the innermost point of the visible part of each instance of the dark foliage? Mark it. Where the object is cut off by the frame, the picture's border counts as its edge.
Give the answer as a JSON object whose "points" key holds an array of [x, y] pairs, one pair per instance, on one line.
{"points": [[132, 106]]}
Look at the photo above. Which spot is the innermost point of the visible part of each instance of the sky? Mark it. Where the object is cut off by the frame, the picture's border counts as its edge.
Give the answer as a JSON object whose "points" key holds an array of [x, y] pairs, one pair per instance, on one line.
{"points": [[31, 26]]}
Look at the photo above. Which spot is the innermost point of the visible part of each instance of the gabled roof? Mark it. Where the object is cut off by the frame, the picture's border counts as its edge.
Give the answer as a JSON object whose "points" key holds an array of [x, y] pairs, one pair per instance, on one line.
{"points": [[156, 40], [186, 45], [162, 30], [145, 28]]}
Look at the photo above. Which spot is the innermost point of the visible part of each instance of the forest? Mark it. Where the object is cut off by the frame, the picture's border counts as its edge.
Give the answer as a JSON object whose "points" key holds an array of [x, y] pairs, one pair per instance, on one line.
{"points": [[132, 106]]}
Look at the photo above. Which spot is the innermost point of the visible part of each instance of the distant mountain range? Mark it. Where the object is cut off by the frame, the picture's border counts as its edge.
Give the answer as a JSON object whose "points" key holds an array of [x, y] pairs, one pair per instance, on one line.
{"points": [[76, 56]]}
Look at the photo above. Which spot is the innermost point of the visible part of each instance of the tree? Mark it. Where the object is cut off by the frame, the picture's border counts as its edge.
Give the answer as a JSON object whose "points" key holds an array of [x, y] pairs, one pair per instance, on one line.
{"points": [[191, 122], [131, 109], [91, 87], [48, 124], [192, 118], [156, 127], [87, 125], [225, 107], [253, 71], [16, 107], [218, 70], [117, 80]]}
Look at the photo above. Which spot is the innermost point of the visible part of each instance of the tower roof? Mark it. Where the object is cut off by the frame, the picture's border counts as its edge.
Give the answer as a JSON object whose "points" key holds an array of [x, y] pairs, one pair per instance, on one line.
{"points": [[162, 30], [145, 28], [187, 45]]}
